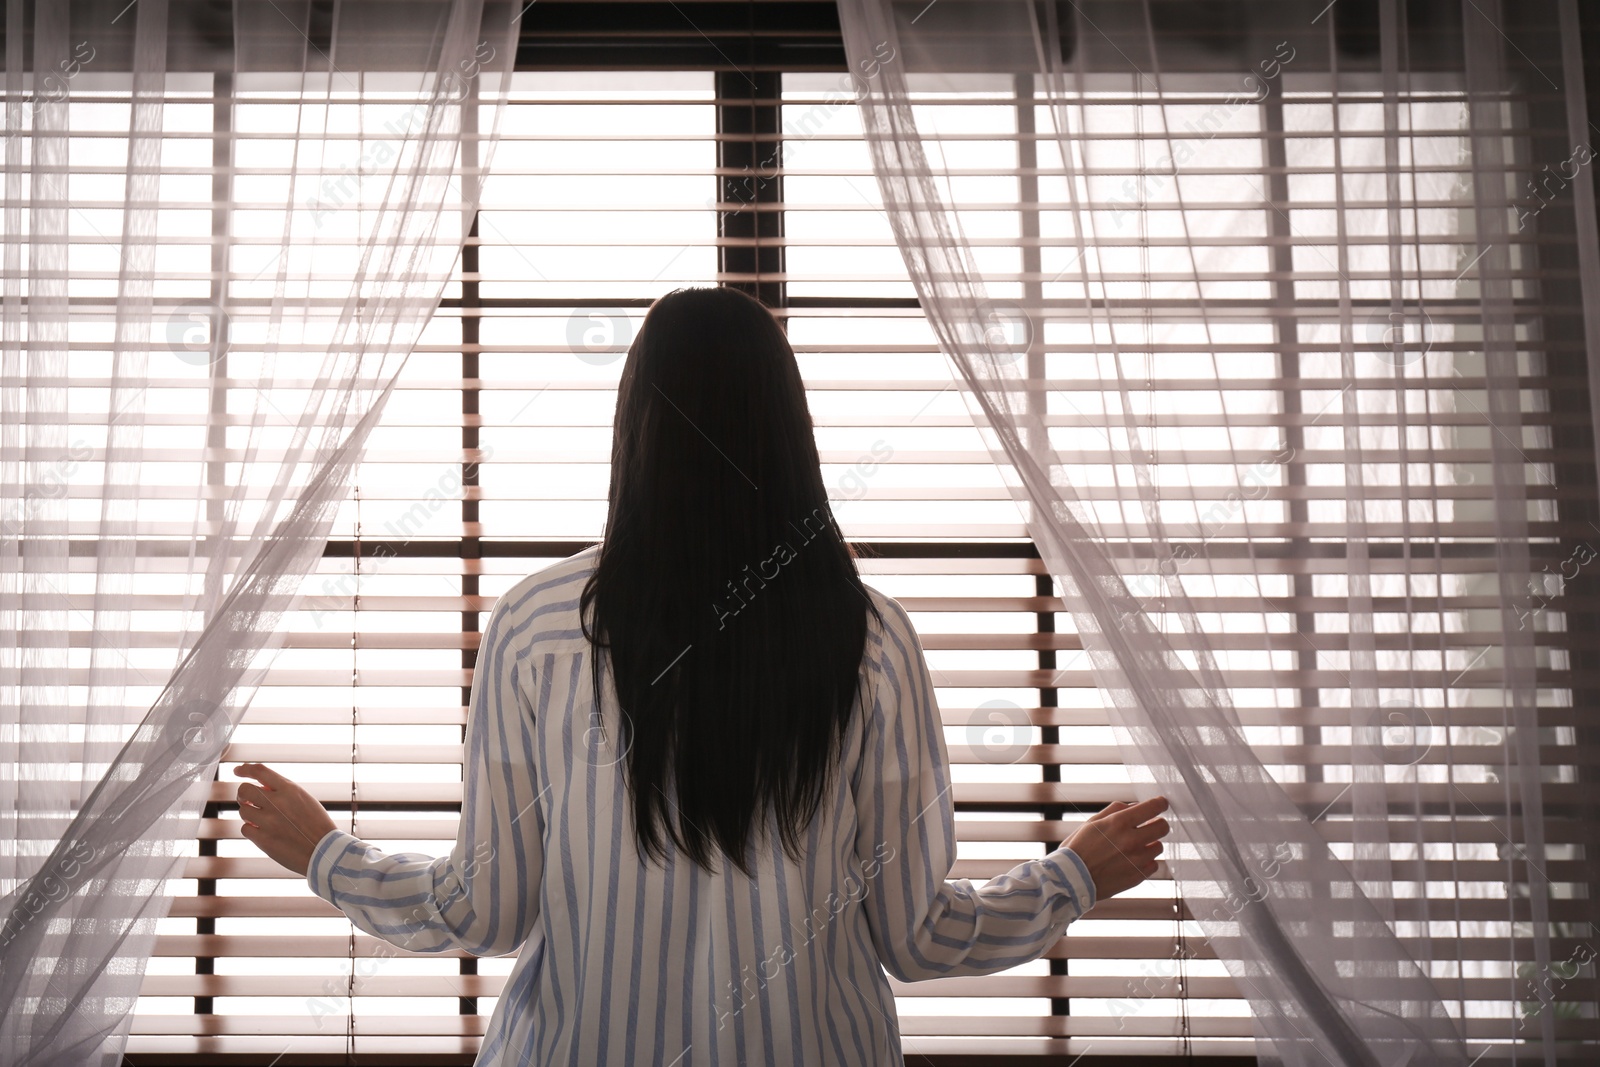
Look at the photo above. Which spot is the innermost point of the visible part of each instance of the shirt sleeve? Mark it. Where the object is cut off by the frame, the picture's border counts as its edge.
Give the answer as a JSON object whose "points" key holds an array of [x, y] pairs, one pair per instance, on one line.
{"points": [[482, 897], [922, 925]]}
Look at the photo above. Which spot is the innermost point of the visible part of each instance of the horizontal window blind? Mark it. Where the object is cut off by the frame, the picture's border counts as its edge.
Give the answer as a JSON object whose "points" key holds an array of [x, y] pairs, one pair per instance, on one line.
{"points": [[491, 462]]}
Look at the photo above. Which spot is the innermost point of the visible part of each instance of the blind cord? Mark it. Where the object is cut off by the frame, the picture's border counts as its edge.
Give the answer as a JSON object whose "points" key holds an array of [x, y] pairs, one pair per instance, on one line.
{"points": [[755, 143], [355, 615], [1183, 971], [1154, 458], [1174, 579]]}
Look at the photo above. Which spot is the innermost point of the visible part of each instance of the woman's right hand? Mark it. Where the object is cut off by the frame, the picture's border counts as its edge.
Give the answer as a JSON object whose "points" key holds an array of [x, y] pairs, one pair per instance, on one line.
{"points": [[1120, 843]]}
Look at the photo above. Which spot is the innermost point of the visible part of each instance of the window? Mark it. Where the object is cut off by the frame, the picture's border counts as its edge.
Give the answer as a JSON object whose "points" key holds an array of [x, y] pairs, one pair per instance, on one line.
{"points": [[491, 463]]}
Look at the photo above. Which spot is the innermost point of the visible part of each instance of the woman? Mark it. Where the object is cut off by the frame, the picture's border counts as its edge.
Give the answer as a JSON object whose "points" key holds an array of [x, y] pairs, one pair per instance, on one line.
{"points": [[706, 789]]}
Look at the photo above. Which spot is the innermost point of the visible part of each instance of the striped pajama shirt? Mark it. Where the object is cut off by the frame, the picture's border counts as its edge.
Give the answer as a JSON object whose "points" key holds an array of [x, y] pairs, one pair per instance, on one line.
{"points": [[625, 963]]}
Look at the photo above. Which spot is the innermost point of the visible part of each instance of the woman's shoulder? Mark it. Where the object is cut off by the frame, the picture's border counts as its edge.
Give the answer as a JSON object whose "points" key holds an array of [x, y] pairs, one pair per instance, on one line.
{"points": [[543, 607], [891, 637], [895, 618]]}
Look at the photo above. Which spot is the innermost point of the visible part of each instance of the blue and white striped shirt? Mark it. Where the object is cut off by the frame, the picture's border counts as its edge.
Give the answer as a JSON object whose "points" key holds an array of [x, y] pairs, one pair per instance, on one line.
{"points": [[627, 963]]}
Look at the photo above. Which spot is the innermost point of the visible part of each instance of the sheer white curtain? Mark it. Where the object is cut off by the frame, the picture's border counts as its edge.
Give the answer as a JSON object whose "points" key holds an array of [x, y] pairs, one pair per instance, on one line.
{"points": [[1386, 275], [224, 229]]}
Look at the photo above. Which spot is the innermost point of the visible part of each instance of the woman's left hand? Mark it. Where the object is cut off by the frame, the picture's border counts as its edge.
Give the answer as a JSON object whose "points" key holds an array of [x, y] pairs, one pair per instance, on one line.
{"points": [[280, 817]]}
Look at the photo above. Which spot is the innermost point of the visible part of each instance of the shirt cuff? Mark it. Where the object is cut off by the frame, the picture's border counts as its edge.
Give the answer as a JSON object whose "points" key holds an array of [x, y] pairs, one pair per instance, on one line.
{"points": [[1075, 875], [324, 857]]}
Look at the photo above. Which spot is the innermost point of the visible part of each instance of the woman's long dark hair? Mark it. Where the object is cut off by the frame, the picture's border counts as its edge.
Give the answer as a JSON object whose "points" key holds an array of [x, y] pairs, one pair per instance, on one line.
{"points": [[724, 594]]}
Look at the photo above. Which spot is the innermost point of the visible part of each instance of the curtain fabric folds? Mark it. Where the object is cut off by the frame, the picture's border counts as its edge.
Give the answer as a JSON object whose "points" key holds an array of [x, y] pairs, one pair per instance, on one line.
{"points": [[1309, 935], [334, 155]]}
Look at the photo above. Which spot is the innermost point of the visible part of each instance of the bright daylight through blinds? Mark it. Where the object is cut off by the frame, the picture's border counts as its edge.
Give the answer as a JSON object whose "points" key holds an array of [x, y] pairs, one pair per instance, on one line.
{"points": [[491, 462]]}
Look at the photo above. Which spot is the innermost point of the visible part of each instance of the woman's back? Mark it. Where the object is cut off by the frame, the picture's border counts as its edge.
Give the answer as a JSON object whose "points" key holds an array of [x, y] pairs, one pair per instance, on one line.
{"points": [[630, 962], [722, 873]]}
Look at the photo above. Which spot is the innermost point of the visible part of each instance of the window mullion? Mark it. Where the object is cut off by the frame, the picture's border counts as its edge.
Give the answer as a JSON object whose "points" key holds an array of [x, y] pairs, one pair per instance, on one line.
{"points": [[750, 184], [217, 423], [1286, 342]]}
